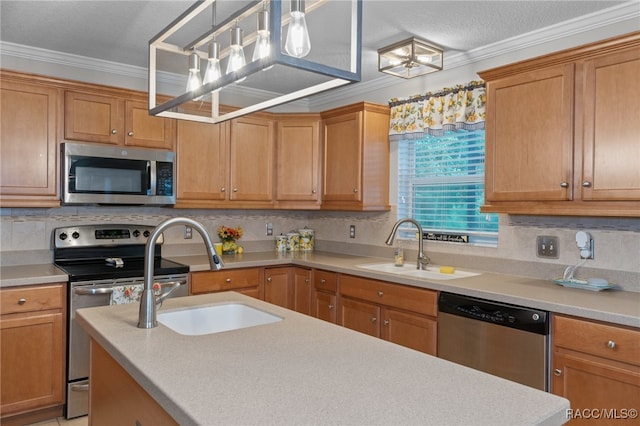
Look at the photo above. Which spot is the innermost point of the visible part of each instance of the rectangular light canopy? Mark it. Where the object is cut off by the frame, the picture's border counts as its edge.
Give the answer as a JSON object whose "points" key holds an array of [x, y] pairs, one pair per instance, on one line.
{"points": [[410, 58]]}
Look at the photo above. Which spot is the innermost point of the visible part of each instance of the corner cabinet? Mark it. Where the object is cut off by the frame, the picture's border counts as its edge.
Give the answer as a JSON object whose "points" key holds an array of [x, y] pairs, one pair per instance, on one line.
{"points": [[562, 132], [29, 131], [356, 158], [32, 332], [596, 366]]}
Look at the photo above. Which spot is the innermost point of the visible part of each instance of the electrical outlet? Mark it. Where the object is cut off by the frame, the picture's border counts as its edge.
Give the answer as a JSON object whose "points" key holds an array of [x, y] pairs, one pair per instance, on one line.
{"points": [[269, 229], [352, 231], [188, 233], [547, 246]]}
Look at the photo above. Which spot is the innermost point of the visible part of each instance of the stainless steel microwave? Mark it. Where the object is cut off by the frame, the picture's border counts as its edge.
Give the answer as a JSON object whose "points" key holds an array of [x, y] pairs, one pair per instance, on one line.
{"points": [[102, 174]]}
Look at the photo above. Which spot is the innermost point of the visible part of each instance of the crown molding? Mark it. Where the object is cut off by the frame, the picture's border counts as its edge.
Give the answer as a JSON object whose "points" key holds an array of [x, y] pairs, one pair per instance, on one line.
{"points": [[616, 14]]}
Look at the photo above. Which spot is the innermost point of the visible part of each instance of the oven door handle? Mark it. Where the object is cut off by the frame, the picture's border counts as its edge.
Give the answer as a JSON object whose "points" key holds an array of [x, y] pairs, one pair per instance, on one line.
{"points": [[93, 291]]}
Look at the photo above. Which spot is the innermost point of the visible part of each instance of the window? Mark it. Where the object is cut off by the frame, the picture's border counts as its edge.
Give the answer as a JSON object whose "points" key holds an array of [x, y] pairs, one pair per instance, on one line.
{"points": [[441, 184]]}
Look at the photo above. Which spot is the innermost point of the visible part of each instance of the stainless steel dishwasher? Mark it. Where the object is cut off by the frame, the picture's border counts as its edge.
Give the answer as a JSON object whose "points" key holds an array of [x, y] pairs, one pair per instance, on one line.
{"points": [[504, 340]]}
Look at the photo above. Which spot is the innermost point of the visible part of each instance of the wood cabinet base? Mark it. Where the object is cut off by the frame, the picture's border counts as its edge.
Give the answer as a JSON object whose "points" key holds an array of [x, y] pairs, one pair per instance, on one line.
{"points": [[116, 398]]}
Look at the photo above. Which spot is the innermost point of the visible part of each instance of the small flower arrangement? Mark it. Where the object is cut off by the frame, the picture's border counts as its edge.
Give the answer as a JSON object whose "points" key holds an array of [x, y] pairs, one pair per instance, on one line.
{"points": [[229, 236]]}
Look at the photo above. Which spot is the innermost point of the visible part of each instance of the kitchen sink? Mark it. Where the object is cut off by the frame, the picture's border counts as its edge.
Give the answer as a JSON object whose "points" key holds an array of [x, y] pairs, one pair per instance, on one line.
{"points": [[215, 319], [409, 269]]}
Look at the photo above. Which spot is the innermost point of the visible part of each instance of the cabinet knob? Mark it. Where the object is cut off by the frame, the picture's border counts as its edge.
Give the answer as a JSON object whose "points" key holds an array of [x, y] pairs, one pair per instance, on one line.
{"points": [[330, 307], [306, 280], [235, 189], [355, 190], [114, 131], [586, 184], [380, 293], [386, 322], [269, 279], [564, 184], [228, 280], [130, 134], [374, 319], [313, 191], [223, 189], [557, 372], [22, 301], [322, 281], [611, 344]]}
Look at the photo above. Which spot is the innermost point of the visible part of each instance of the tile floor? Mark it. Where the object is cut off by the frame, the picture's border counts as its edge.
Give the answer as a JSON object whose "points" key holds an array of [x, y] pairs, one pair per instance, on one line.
{"points": [[61, 421]]}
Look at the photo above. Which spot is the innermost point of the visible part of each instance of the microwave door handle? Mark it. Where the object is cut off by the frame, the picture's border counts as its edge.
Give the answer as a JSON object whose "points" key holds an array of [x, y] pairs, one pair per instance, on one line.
{"points": [[151, 177]]}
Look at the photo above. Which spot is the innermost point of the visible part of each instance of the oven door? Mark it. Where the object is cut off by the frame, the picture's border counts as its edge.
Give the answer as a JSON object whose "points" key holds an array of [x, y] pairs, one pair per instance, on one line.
{"points": [[89, 294]]}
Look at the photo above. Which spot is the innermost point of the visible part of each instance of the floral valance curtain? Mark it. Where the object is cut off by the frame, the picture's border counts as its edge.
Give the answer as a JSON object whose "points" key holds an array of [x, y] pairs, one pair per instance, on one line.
{"points": [[460, 107]]}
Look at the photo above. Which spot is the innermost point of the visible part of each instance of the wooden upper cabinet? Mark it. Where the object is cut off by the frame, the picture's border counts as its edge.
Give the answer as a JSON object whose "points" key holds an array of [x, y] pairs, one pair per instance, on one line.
{"points": [[100, 118], [29, 133], [356, 158], [611, 111], [251, 160], [298, 160], [201, 152], [529, 137], [562, 132]]}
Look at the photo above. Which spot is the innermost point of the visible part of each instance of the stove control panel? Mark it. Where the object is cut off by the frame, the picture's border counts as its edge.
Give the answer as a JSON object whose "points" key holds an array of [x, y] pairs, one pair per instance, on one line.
{"points": [[102, 235]]}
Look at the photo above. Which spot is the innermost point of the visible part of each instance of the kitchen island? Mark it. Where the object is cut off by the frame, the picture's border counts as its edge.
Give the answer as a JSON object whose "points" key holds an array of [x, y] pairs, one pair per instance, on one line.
{"points": [[302, 370]]}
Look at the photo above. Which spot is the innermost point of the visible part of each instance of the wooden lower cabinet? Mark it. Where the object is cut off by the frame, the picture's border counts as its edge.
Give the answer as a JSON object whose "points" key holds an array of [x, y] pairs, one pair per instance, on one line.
{"points": [[116, 398], [324, 297], [302, 290], [596, 366], [249, 281], [32, 336], [289, 287], [397, 313]]}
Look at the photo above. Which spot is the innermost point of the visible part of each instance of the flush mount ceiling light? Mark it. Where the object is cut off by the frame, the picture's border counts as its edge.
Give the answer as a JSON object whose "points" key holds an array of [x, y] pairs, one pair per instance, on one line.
{"points": [[289, 36], [410, 58]]}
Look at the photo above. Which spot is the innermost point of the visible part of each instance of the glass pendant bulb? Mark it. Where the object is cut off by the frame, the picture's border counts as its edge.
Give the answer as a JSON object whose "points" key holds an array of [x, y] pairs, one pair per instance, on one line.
{"points": [[262, 47], [213, 72], [236, 52], [298, 43], [194, 81]]}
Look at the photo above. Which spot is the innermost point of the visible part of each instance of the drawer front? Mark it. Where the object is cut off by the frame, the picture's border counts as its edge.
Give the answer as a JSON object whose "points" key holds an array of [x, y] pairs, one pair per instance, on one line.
{"points": [[395, 295], [226, 279], [325, 281], [30, 299], [608, 341]]}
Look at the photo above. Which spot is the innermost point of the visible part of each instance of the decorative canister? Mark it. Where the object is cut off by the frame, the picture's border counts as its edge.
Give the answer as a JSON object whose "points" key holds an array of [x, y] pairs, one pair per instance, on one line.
{"points": [[306, 239], [281, 243], [293, 241]]}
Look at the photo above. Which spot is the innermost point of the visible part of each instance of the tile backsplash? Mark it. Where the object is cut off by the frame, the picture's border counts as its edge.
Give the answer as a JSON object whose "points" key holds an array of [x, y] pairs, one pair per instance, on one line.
{"points": [[25, 237]]}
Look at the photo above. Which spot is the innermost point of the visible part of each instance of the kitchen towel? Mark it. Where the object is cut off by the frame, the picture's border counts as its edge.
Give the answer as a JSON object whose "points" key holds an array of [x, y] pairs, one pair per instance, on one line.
{"points": [[129, 293]]}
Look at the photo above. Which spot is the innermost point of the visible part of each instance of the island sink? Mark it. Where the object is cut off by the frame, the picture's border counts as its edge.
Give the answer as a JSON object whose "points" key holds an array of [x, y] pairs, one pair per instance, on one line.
{"points": [[198, 321], [430, 272]]}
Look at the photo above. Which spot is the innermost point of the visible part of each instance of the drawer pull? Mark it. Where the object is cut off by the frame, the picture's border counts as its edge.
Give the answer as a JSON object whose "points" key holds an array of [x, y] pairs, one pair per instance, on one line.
{"points": [[611, 344], [380, 293], [114, 131], [330, 307], [386, 322], [22, 301], [564, 185], [322, 281], [306, 280], [557, 372], [374, 319], [130, 134], [269, 279], [228, 280]]}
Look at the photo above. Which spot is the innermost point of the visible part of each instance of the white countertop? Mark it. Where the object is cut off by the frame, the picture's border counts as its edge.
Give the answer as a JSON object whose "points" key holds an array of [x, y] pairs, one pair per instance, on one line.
{"points": [[302, 370], [618, 307]]}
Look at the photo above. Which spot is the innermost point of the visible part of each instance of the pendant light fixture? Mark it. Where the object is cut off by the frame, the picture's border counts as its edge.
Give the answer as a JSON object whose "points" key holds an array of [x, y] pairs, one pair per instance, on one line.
{"points": [[194, 81], [262, 48], [298, 43], [236, 51], [213, 72]]}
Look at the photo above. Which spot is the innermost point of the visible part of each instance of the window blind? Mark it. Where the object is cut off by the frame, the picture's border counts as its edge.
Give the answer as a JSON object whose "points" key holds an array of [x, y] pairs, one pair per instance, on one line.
{"points": [[441, 184]]}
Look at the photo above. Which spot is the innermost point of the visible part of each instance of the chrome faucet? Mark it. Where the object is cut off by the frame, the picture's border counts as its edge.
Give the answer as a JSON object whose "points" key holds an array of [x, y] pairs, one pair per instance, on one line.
{"points": [[148, 301], [423, 260]]}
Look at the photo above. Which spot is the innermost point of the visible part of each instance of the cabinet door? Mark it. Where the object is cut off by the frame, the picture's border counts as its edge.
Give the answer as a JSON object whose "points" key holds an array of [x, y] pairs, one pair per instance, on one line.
{"points": [[593, 383], [251, 159], [248, 281], [278, 286], [145, 130], [302, 290], [611, 161], [410, 330], [201, 153], [32, 361], [297, 153], [360, 316], [93, 118], [342, 165], [529, 136], [324, 306], [29, 133]]}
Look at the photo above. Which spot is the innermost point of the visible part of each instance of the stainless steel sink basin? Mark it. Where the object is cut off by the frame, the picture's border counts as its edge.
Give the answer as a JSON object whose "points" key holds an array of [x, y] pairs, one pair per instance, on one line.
{"points": [[409, 269], [198, 321]]}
